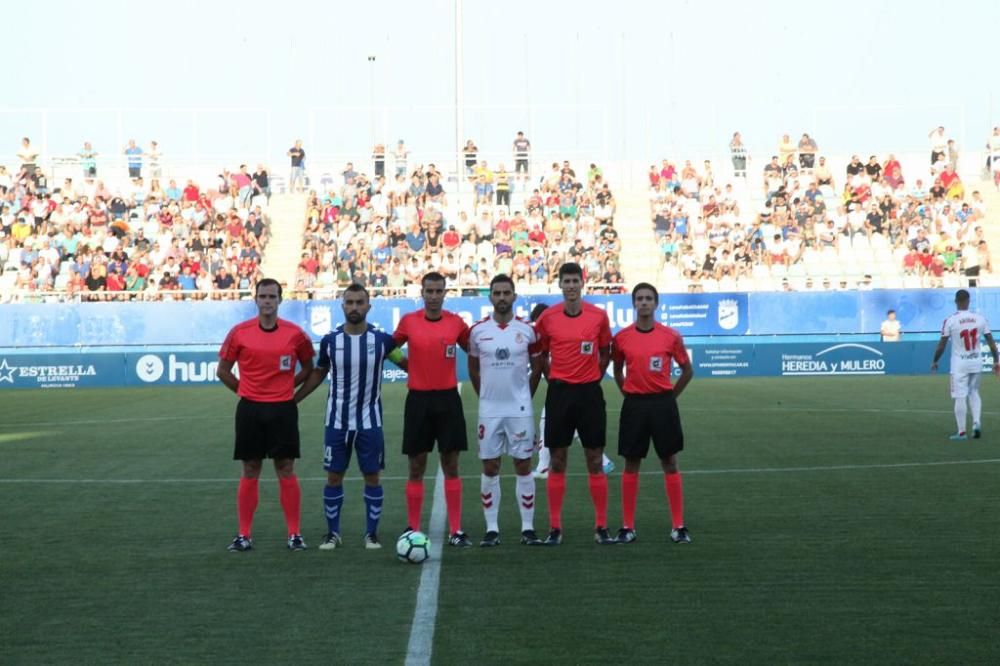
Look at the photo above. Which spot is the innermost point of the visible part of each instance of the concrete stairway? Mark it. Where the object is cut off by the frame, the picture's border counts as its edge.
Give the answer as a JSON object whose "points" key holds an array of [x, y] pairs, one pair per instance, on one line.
{"points": [[284, 250], [640, 256]]}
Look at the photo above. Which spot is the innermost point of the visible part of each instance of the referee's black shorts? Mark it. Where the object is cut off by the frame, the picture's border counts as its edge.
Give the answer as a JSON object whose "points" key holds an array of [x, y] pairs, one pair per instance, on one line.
{"points": [[266, 430], [650, 416], [431, 416], [573, 408]]}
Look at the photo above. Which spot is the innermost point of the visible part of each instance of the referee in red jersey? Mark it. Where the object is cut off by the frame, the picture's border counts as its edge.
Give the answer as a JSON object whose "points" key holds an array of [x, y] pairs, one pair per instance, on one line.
{"points": [[643, 353], [267, 350], [433, 409], [577, 337]]}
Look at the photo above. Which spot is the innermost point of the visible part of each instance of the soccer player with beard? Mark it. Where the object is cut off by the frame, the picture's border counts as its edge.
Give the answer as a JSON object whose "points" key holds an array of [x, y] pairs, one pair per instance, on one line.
{"points": [[500, 348], [643, 354], [353, 355]]}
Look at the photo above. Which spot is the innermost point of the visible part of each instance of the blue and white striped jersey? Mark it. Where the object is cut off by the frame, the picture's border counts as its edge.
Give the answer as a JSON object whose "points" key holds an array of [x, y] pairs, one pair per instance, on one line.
{"points": [[355, 367]]}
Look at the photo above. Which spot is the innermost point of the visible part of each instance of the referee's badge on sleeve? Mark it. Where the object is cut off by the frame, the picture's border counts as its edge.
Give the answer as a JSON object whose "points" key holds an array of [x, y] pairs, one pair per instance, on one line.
{"points": [[587, 347], [656, 364], [285, 363], [449, 351]]}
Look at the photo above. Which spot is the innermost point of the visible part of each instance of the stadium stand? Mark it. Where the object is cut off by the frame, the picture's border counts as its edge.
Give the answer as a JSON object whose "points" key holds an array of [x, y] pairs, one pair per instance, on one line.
{"points": [[797, 223]]}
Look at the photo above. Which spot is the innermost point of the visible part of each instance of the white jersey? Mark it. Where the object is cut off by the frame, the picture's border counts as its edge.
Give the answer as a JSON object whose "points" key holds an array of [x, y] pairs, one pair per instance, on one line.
{"points": [[965, 329], [504, 355]]}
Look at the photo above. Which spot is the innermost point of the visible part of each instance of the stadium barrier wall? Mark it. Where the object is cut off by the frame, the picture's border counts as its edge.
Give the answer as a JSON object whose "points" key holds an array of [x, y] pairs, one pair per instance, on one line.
{"points": [[96, 368], [140, 344]]}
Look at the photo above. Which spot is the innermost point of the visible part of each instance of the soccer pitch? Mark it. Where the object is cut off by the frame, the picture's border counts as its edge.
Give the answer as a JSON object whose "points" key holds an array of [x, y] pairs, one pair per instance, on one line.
{"points": [[833, 522]]}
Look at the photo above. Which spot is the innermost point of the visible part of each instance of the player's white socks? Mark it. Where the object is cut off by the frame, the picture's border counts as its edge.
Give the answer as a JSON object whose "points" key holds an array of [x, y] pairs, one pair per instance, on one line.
{"points": [[543, 459], [489, 489], [961, 412], [526, 501], [976, 403]]}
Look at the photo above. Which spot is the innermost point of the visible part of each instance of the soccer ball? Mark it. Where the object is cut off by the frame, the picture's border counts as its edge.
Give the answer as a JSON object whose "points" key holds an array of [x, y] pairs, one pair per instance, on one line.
{"points": [[413, 547]]}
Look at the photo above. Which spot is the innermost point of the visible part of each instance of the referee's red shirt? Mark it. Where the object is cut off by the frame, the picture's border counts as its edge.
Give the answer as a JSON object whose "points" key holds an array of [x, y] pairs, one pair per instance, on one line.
{"points": [[573, 342], [647, 356], [267, 359], [432, 349]]}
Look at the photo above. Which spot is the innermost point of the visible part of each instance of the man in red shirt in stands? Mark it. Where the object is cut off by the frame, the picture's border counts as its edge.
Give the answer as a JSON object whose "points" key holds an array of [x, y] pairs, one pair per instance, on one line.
{"points": [[577, 338], [643, 354], [433, 411], [267, 419]]}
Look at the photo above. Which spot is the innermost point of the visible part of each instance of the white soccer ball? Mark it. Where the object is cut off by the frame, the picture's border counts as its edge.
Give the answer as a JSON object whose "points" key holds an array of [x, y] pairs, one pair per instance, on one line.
{"points": [[413, 547]]}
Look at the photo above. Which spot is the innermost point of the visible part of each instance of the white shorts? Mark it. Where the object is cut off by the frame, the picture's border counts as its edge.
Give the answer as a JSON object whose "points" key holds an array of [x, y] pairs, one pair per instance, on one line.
{"points": [[964, 383], [513, 435]]}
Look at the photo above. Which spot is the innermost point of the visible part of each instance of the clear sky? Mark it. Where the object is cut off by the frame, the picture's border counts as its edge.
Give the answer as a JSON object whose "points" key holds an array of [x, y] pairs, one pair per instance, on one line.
{"points": [[607, 79]]}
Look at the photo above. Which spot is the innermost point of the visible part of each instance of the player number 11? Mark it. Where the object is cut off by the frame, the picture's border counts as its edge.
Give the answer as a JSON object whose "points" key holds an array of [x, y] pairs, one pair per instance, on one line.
{"points": [[970, 337]]}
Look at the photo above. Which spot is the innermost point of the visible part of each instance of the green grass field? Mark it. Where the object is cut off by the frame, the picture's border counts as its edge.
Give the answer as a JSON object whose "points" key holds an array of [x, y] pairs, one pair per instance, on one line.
{"points": [[833, 522]]}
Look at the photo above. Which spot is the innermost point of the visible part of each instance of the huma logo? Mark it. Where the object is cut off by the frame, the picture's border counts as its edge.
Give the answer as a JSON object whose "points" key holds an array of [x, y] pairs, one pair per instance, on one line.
{"points": [[844, 359], [149, 368]]}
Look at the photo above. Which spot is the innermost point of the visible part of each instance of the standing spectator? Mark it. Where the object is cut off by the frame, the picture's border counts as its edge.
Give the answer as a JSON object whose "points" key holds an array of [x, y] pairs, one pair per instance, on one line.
{"points": [[155, 169], [469, 153], [353, 355], [261, 183], [501, 348], [378, 157], [807, 151], [297, 178], [786, 149], [953, 154], [502, 180], [994, 149], [400, 156], [133, 154], [27, 156], [643, 357], [433, 411], [891, 330], [964, 329], [88, 160], [267, 349], [739, 154], [577, 337], [939, 144], [522, 151]]}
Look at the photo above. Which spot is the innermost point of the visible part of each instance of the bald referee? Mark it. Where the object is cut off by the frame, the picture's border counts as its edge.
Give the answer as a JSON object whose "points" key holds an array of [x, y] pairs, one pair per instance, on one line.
{"points": [[267, 349]]}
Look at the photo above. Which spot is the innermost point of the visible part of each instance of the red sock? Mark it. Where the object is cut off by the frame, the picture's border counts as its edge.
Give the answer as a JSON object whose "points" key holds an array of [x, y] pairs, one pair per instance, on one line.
{"points": [[630, 492], [291, 502], [246, 503], [414, 503], [556, 486], [599, 496], [675, 493], [453, 500]]}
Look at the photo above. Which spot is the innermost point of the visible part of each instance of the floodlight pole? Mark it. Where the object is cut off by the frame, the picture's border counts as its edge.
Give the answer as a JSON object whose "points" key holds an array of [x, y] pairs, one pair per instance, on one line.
{"points": [[459, 98]]}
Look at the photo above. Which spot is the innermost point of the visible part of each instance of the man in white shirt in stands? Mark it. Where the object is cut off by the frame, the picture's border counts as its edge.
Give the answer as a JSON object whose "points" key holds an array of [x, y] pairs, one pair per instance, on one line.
{"points": [[964, 329]]}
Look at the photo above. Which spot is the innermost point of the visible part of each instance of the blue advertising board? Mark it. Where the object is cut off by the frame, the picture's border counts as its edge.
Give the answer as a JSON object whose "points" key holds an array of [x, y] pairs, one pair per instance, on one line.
{"points": [[78, 369]]}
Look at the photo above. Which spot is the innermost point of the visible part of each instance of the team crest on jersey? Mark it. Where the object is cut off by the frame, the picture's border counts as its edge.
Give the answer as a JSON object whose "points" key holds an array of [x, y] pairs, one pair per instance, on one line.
{"points": [[449, 351], [371, 348], [285, 362], [729, 313], [587, 347], [519, 339], [503, 354], [655, 364]]}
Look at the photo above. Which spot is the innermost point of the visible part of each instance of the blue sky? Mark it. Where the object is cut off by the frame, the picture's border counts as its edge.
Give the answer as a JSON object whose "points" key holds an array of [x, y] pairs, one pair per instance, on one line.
{"points": [[606, 79]]}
